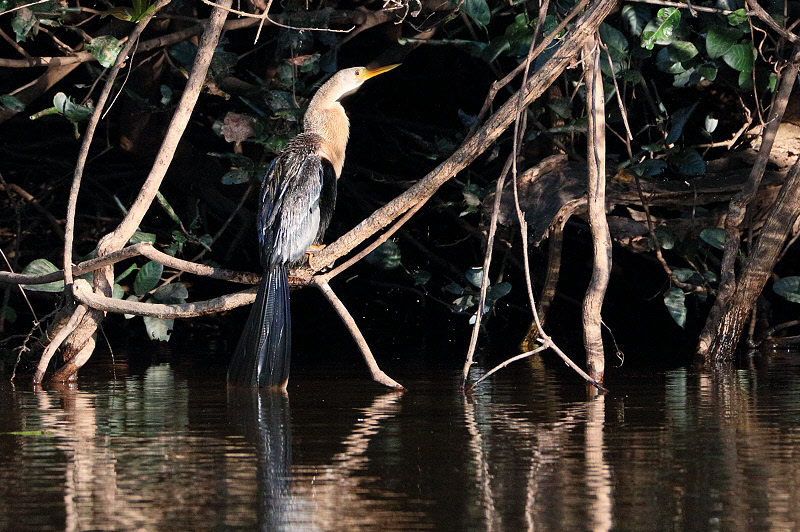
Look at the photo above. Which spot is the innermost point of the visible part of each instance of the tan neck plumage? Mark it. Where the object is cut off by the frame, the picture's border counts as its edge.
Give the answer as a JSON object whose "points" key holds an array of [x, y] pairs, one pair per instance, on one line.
{"points": [[326, 117]]}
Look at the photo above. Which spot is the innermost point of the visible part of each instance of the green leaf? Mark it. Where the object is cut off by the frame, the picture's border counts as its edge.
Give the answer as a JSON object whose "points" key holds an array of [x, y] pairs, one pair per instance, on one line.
{"points": [[631, 76], [475, 276], [117, 292], [635, 17], [159, 328], [666, 64], [714, 237], [386, 256], [688, 162], [772, 81], [788, 288], [72, 111], [661, 30], [614, 39], [497, 291], [708, 71], [711, 123], [126, 273], [147, 278], [682, 51], [740, 57], [679, 119], [141, 236], [562, 107], [421, 277], [496, 48], [23, 24], [518, 35], [12, 102], [131, 297], [690, 77], [675, 300], [453, 288], [746, 80], [618, 50], [183, 53], [39, 267], [166, 95], [172, 293], [105, 49], [682, 274], [649, 167], [478, 11], [737, 17], [9, 314], [665, 237], [236, 176], [167, 208], [178, 241], [720, 39]]}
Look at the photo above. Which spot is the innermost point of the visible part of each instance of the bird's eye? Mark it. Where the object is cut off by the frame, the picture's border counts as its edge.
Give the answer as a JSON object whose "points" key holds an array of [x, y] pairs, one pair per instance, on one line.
{"points": [[360, 72]]}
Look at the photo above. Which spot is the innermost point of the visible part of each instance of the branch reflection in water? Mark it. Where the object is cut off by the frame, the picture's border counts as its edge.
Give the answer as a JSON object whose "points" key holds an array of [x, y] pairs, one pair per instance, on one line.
{"points": [[167, 450]]}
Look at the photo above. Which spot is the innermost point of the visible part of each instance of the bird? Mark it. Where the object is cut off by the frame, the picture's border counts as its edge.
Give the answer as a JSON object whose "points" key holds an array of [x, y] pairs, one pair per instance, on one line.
{"points": [[295, 207]]}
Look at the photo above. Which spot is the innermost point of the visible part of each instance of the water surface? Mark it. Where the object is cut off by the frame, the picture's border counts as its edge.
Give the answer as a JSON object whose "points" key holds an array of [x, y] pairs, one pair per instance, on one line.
{"points": [[168, 447]]}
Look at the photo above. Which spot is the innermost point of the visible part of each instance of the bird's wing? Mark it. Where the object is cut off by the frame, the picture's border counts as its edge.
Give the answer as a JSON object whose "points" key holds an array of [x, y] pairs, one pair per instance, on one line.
{"points": [[289, 213]]}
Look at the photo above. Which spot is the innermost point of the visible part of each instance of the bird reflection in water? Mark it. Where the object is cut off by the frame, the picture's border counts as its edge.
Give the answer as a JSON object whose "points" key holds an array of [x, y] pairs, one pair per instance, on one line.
{"points": [[267, 425], [320, 491]]}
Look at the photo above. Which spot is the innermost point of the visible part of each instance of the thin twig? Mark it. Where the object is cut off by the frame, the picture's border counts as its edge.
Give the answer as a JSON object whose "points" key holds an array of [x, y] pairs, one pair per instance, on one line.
{"points": [[682, 5], [487, 260], [22, 7], [377, 374], [506, 363], [377, 242], [265, 17]]}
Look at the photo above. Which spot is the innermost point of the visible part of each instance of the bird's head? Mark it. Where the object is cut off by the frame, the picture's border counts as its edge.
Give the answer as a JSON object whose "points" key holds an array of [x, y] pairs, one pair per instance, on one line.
{"points": [[349, 80]]}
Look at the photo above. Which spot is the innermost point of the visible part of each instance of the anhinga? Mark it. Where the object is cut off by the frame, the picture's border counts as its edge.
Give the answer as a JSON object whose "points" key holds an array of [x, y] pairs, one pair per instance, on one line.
{"points": [[296, 204]]}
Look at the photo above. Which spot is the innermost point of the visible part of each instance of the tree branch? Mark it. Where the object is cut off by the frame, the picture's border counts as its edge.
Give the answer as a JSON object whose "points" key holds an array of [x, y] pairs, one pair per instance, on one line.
{"points": [[475, 145], [83, 293]]}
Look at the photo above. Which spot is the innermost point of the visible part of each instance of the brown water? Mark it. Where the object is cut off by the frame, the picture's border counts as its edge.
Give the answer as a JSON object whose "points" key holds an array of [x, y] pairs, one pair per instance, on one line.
{"points": [[161, 449]]}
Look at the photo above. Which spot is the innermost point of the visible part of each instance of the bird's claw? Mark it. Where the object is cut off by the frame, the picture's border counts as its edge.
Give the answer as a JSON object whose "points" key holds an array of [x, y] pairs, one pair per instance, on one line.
{"points": [[316, 248]]}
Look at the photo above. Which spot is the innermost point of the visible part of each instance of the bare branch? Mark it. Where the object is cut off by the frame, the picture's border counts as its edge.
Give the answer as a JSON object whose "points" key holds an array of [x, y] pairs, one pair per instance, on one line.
{"points": [[56, 342], [601, 238], [767, 19], [377, 373], [83, 293], [69, 231]]}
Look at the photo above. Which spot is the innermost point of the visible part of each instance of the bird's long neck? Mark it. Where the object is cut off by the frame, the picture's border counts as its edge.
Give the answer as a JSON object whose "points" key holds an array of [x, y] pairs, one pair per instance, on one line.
{"points": [[326, 117]]}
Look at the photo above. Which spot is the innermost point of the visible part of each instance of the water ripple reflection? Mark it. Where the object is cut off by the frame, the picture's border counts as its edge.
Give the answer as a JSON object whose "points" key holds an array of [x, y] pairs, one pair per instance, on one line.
{"points": [[164, 450]]}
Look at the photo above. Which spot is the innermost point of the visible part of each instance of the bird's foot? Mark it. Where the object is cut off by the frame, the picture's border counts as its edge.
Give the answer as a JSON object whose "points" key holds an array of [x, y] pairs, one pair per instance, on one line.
{"points": [[316, 248]]}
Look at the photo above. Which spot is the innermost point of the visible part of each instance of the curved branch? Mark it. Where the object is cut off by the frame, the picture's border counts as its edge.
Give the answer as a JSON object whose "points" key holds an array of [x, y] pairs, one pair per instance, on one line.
{"points": [[83, 293], [144, 249]]}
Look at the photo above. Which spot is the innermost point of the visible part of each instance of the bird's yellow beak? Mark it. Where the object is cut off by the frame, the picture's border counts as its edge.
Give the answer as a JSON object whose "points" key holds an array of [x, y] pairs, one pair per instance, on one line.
{"points": [[372, 72]]}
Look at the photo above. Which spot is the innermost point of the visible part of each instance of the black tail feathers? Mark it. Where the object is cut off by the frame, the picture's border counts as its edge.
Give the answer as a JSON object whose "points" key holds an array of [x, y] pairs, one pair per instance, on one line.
{"points": [[262, 356]]}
